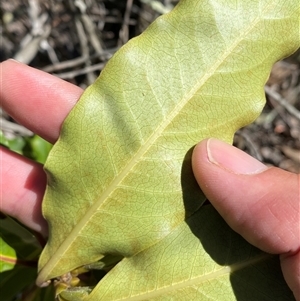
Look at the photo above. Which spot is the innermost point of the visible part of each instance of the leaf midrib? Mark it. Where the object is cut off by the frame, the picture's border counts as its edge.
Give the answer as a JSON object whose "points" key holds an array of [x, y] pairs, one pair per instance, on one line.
{"points": [[143, 149], [225, 270]]}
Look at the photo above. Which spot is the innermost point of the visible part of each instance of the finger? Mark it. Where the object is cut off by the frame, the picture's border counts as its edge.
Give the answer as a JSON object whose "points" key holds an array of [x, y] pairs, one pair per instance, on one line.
{"points": [[40, 102], [22, 185], [291, 270], [262, 204], [254, 200], [36, 99]]}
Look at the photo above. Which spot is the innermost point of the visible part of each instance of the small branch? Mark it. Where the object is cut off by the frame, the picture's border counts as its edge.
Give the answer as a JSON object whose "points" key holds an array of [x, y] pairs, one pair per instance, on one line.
{"points": [[251, 145], [283, 102], [39, 31], [29, 51], [158, 6], [89, 27], [72, 74], [12, 127], [124, 31], [84, 47], [51, 52], [105, 56]]}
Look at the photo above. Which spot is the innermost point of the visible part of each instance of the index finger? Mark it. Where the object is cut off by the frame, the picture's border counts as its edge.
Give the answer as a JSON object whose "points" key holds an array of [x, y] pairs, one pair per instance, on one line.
{"points": [[36, 99], [40, 102]]}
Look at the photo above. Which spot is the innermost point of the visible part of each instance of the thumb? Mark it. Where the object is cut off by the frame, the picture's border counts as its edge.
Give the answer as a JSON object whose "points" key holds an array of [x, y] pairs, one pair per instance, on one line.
{"points": [[260, 203]]}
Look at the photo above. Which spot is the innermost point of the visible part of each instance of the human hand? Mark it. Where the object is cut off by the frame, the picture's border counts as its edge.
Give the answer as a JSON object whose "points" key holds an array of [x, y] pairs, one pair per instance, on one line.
{"points": [[40, 102], [264, 209], [261, 204]]}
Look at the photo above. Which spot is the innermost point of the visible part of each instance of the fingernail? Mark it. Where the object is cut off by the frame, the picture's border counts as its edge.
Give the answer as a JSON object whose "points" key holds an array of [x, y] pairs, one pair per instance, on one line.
{"points": [[232, 158]]}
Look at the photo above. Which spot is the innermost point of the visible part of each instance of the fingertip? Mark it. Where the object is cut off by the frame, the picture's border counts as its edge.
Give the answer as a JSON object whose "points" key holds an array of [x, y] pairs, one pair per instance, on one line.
{"points": [[199, 156], [36, 99], [22, 186], [290, 264], [253, 199]]}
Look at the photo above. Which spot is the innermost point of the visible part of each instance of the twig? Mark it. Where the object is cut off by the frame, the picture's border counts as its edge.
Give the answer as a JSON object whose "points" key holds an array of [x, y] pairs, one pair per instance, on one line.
{"points": [[158, 6], [283, 102], [71, 74], [124, 32], [9, 126], [28, 52], [117, 20], [84, 47], [106, 55], [39, 31], [89, 27], [293, 154], [51, 52], [255, 150]]}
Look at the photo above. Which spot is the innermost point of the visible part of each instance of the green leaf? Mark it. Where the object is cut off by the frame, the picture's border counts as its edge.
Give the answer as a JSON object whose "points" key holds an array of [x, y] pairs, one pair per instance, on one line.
{"points": [[7, 256], [19, 252], [37, 148], [38, 294], [16, 144], [201, 260], [24, 243], [120, 179], [14, 281]]}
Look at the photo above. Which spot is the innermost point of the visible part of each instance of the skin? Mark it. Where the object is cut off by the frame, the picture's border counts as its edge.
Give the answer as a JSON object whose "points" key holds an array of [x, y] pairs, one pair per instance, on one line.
{"points": [[265, 209]]}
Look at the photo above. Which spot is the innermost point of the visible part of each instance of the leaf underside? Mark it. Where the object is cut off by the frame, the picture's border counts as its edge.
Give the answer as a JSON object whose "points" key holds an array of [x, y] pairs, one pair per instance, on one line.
{"points": [[120, 179]]}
